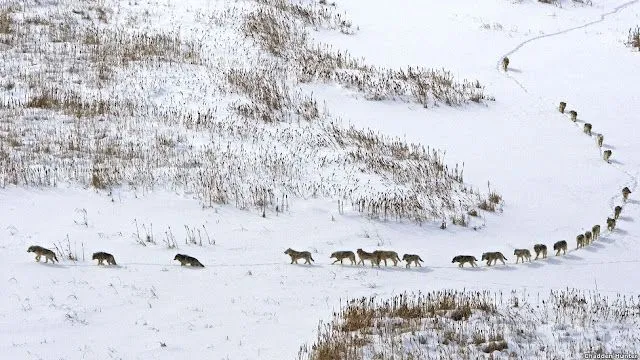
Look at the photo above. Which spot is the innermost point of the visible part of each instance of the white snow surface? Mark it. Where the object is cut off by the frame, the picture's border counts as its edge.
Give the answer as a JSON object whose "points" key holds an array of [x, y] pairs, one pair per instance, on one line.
{"points": [[249, 302]]}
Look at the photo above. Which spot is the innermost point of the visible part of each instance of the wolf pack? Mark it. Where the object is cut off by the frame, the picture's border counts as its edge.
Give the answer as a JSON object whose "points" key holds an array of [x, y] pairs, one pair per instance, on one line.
{"points": [[378, 256], [102, 256], [491, 258]]}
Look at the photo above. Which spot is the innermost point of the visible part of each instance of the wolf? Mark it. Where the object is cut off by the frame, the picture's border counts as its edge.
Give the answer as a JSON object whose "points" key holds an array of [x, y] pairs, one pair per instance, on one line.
{"points": [[540, 249], [599, 140], [40, 251], [596, 231], [363, 255], [617, 211], [341, 255], [505, 63], [383, 255], [587, 129], [412, 258], [588, 237], [580, 241], [560, 246], [187, 260], [562, 106], [625, 193], [606, 155], [522, 254], [574, 115], [461, 259], [295, 255], [102, 256], [611, 224], [493, 256]]}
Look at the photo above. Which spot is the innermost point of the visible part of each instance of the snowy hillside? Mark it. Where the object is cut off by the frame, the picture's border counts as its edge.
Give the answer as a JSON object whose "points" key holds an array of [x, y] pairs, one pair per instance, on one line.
{"points": [[231, 131]]}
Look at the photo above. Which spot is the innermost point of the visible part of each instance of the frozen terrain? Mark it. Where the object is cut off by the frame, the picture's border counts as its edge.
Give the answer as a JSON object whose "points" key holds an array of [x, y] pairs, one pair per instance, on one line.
{"points": [[249, 302]]}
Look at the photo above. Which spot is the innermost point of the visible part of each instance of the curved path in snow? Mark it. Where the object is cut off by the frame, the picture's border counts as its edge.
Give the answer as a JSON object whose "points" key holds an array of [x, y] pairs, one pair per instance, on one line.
{"points": [[522, 44], [633, 178], [602, 18]]}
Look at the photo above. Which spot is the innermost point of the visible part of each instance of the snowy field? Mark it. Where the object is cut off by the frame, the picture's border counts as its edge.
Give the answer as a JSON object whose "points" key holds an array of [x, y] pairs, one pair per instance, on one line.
{"points": [[249, 302]]}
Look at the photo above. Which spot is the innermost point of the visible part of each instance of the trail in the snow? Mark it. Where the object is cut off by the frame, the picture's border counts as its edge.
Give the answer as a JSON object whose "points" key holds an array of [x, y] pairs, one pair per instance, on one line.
{"points": [[275, 264], [633, 179], [522, 44]]}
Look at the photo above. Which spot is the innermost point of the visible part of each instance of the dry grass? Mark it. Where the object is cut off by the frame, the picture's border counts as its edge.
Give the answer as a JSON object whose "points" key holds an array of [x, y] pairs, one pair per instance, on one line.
{"points": [[634, 38], [561, 3], [279, 27], [470, 325], [109, 105], [6, 22]]}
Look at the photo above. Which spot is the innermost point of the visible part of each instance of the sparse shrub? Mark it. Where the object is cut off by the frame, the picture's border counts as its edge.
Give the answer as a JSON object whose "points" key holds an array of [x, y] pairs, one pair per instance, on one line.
{"points": [[562, 106], [495, 346], [460, 220], [461, 313], [479, 338], [269, 94], [6, 21], [634, 38], [487, 206]]}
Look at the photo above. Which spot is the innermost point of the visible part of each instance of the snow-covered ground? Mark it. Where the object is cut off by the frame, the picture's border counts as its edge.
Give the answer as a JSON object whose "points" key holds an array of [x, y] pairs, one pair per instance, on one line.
{"points": [[249, 302]]}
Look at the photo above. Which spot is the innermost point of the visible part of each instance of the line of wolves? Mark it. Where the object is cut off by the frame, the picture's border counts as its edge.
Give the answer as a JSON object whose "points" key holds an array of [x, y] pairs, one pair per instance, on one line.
{"points": [[587, 128], [375, 257], [541, 249], [379, 256], [102, 256]]}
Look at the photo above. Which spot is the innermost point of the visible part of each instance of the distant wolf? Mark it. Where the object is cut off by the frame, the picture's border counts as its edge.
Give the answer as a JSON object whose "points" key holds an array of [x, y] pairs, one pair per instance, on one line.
{"points": [[599, 140], [588, 237], [412, 258], [522, 254], [625, 193], [384, 255], [493, 256], [40, 251], [540, 249], [573, 115], [596, 231], [587, 129], [560, 246], [611, 224], [102, 256], [465, 259], [562, 106], [341, 255], [617, 211], [295, 255], [580, 241], [606, 155], [187, 260], [363, 255], [505, 63]]}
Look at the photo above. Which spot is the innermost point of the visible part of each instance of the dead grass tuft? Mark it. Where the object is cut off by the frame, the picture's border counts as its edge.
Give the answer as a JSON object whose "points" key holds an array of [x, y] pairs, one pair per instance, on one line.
{"points": [[469, 325], [634, 38]]}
